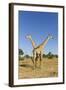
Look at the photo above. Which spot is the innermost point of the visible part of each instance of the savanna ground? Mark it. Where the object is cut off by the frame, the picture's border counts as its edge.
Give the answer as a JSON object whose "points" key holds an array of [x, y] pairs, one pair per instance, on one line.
{"points": [[49, 68]]}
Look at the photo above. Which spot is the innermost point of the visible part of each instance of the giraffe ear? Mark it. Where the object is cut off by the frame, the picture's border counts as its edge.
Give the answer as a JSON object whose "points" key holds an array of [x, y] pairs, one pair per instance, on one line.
{"points": [[28, 36]]}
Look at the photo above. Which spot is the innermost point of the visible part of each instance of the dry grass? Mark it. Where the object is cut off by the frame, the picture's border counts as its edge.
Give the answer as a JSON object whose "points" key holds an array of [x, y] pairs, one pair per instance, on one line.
{"points": [[49, 68]]}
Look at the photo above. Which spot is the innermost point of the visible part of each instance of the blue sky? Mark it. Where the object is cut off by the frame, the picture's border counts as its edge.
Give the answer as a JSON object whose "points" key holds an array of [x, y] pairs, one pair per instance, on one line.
{"points": [[38, 25]]}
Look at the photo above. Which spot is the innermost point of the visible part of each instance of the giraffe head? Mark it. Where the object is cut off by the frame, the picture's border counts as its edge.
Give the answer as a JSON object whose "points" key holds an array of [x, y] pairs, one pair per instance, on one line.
{"points": [[50, 36], [28, 37]]}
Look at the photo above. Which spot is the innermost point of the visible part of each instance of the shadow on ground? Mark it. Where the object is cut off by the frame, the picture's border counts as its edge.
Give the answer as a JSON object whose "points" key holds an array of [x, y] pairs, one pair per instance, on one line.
{"points": [[26, 66]]}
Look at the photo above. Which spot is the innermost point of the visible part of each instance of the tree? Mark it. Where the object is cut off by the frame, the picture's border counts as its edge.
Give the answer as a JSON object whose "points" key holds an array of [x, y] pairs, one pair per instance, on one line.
{"points": [[50, 55], [27, 56], [56, 56], [44, 55], [21, 52]]}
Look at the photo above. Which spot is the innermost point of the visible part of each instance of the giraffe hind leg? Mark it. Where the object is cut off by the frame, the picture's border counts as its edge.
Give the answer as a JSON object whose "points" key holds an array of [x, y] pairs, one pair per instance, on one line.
{"points": [[40, 59], [34, 60]]}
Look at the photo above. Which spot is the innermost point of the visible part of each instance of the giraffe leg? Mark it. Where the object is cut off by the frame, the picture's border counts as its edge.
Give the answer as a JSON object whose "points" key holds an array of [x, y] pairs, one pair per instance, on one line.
{"points": [[34, 59], [40, 59]]}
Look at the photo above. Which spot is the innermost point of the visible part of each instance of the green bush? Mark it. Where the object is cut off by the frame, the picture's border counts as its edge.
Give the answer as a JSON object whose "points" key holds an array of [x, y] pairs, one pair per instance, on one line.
{"points": [[44, 56], [27, 56], [50, 57], [56, 56], [21, 58], [21, 52]]}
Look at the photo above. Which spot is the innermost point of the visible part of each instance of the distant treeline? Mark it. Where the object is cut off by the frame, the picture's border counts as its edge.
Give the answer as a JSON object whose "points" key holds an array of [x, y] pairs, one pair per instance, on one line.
{"points": [[49, 55]]}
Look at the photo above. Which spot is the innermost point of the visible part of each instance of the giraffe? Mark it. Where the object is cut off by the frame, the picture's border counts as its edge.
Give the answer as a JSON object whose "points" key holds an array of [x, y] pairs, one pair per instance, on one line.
{"points": [[38, 51]]}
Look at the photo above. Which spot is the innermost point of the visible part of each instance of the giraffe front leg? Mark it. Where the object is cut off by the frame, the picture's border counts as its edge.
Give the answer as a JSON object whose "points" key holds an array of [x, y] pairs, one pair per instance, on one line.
{"points": [[34, 59], [40, 59]]}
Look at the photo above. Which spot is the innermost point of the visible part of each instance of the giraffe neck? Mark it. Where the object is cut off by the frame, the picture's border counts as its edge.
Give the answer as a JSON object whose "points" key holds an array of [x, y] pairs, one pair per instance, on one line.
{"points": [[33, 43], [45, 42]]}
